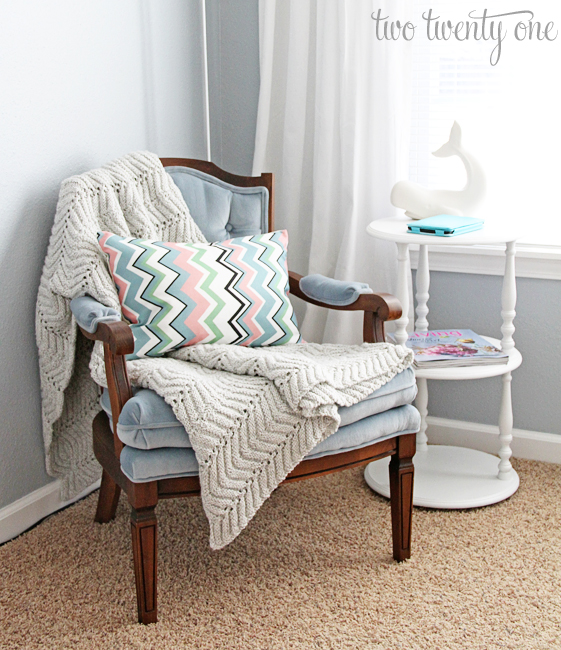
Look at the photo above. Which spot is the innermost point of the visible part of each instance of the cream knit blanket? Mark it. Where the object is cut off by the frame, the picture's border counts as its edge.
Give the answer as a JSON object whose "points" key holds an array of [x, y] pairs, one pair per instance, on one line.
{"points": [[252, 413]]}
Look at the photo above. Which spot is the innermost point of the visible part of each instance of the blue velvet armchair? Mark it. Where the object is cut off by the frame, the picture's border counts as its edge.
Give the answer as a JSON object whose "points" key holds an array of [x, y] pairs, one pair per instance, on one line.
{"points": [[145, 451]]}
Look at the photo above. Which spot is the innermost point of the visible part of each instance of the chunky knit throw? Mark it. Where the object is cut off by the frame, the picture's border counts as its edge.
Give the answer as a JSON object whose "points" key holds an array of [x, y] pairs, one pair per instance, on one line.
{"points": [[252, 413]]}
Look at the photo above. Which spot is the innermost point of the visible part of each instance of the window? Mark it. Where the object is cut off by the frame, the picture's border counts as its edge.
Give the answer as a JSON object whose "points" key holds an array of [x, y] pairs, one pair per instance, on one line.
{"points": [[509, 113]]}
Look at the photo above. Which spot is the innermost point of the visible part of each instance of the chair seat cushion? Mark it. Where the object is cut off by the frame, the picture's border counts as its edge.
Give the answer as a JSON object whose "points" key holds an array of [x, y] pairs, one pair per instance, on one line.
{"points": [[142, 465], [148, 422]]}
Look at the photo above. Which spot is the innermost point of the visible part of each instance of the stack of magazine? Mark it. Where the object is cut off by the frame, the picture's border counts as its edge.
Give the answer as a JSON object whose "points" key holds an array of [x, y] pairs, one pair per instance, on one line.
{"points": [[452, 349]]}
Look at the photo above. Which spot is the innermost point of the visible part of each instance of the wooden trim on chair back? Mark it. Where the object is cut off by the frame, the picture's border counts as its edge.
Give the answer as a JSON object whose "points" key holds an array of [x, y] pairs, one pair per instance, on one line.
{"points": [[265, 180]]}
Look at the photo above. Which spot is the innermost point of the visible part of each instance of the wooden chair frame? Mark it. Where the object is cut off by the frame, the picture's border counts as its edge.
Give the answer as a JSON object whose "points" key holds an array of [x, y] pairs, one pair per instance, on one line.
{"points": [[118, 341]]}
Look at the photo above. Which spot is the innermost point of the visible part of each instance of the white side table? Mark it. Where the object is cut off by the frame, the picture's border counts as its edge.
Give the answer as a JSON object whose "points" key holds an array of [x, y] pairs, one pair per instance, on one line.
{"points": [[453, 477]]}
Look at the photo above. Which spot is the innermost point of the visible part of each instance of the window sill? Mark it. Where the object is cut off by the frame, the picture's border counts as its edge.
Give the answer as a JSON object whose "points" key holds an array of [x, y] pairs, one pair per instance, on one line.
{"points": [[532, 261]]}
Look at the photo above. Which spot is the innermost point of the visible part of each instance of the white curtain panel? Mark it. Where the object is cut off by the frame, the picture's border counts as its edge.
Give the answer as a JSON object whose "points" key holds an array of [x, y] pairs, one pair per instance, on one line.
{"points": [[333, 125]]}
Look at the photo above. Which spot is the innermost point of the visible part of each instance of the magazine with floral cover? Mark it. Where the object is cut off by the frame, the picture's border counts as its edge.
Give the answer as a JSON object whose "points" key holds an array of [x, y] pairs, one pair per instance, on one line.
{"points": [[452, 348]]}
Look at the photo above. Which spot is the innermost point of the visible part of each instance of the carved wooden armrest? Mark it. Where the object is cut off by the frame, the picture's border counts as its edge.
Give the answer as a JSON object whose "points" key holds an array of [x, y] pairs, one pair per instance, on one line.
{"points": [[117, 335], [377, 308], [118, 340]]}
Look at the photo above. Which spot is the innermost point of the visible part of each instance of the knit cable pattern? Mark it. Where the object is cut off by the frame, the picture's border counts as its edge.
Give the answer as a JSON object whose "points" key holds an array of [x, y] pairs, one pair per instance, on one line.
{"points": [[132, 196]]}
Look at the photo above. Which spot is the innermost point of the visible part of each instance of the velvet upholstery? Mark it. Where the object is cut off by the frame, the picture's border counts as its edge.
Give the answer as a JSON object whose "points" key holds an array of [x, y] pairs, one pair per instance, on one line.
{"points": [[221, 210], [332, 292], [402, 389], [88, 313], [141, 465], [148, 422], [217, 209], [393, 422]]}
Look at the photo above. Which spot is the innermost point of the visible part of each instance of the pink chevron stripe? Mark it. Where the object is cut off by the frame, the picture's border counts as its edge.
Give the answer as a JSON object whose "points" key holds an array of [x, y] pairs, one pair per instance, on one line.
{"points": [[283, 239], [248, 275], [194, 321], [122, 284]]}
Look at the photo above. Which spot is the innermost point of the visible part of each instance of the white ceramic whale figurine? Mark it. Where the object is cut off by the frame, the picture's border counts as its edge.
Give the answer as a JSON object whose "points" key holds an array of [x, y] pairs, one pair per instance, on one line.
{"points": [[419, 202]]}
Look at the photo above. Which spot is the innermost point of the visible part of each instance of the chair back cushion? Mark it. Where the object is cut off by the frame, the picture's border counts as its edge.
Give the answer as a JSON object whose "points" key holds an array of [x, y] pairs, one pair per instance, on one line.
{"points": [[222, 211], [174, 294]]}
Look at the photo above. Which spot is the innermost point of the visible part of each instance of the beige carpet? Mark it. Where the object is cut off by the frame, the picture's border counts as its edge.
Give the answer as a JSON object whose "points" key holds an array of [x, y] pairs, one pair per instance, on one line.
{"points": [[313, 570]]}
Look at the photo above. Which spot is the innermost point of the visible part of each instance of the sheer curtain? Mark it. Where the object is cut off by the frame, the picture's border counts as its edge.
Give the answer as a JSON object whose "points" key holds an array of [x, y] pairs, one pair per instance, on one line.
{"points": [[333, 125]]}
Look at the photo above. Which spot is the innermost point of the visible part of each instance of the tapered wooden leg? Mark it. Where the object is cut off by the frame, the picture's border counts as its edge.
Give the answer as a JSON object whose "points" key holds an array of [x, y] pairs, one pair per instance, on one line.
{"points": [[401, 496], [144, 548], [108, 500]]}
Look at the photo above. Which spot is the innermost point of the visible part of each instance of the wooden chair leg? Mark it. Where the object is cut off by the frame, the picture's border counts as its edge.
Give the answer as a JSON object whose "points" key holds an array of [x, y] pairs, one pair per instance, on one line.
{"points": [[108, 500], [144, 547], [401, 496]]}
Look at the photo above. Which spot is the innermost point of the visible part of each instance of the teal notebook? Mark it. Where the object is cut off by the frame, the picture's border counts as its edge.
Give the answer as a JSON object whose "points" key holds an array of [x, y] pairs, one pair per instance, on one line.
{"points": [[445, 225]]}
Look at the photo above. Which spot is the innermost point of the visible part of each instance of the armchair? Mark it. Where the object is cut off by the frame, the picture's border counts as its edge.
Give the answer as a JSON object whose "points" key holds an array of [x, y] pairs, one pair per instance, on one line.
{"points": [[382, 425]]}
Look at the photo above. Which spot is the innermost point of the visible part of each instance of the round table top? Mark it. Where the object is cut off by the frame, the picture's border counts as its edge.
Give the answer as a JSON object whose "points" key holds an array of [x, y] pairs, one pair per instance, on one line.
{"points": [[396, 230]]}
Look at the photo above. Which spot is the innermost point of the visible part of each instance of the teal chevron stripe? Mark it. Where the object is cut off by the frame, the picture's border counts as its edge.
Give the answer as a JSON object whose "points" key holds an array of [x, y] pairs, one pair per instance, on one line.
{"points": [[255, 275], [266, 273], [275, 256], [155, 293], [186, 304]]}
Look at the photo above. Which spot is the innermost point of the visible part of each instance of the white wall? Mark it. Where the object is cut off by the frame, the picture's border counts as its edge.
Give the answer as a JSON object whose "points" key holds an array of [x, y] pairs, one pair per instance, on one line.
{"points": [[81, 82]]}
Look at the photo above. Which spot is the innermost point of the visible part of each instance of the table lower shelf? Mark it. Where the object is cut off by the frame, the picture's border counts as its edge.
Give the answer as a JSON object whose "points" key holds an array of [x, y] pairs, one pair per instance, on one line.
{"points": [[449, 478], [473, 372]]}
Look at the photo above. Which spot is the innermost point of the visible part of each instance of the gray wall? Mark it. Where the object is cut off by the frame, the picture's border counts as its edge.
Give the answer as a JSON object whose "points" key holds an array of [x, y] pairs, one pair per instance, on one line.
{"points": [[457, 300], [473, 302], [233, 58], [82, 83]]}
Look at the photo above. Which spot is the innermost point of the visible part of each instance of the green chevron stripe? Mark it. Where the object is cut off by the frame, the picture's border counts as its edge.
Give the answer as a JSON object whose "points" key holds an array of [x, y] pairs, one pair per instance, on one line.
{"points": [[206, 286]]}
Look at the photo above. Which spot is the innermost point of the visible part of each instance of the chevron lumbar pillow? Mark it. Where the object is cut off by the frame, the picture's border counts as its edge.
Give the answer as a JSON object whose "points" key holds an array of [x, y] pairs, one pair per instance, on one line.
{"points": [[175, 295]]}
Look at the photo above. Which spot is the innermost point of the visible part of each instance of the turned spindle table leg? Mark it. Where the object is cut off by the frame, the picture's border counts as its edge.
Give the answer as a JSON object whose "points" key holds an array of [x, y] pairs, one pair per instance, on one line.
{"points": [[505, 429], [507, 313], [422, 285], [403, 274]]}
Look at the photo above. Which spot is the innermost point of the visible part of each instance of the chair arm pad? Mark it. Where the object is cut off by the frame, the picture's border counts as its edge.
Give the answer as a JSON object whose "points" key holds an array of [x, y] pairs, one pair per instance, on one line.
{"points": [[385, 306], [88, 313], [332, 292], [100, 323]]}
